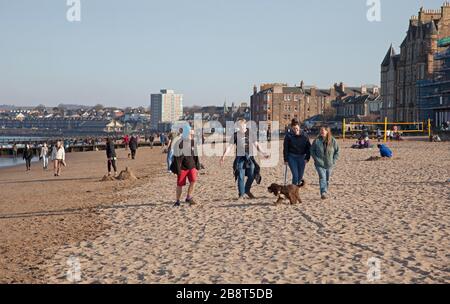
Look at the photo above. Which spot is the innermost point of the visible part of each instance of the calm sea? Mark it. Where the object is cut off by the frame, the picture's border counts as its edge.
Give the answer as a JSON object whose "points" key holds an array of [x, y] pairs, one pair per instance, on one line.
{"points": [[10, 162]]}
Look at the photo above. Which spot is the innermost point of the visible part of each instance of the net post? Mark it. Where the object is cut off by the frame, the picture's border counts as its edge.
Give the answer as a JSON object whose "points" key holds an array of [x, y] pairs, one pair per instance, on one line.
{"points": [[385, 129], [429, 128], [343, 129]]}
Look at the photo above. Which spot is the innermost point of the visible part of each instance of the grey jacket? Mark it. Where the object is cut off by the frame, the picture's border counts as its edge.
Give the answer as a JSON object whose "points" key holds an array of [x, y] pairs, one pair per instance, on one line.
{"points": [[325, 159]]}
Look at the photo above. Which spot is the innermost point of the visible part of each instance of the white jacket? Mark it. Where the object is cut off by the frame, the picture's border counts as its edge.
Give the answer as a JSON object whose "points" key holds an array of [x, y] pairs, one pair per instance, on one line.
{"points": [[58, 154]]}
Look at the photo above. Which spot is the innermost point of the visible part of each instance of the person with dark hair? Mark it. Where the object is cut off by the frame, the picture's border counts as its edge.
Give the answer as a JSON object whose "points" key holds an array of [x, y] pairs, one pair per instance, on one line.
{"points": [[325, 152], [28, 156], [297, 152], [111, 156]]}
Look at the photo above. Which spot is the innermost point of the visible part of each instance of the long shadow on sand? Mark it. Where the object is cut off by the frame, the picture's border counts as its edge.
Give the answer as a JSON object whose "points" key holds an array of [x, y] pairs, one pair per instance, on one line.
{"points": [[71, 211]]}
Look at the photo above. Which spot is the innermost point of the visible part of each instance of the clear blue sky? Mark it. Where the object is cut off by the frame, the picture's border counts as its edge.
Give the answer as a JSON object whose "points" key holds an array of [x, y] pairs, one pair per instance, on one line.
{"points": [[209, 50]]}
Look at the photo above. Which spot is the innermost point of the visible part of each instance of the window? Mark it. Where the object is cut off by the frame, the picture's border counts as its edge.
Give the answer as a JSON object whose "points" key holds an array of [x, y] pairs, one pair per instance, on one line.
{"points": [[287, 97]]}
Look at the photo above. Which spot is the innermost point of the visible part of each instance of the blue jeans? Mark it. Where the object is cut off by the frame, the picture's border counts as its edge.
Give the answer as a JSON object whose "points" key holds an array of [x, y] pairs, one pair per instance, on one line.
{"points": [[297, 165], [324, 178], [245, 187], [169, 159]]}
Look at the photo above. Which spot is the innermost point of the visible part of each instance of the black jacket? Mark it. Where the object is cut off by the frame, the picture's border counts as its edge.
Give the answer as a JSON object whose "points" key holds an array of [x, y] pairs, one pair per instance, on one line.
{"points": [[133, 143], [28, 153], [297, 145], [178, 157], [257, 172], [110, 150]]}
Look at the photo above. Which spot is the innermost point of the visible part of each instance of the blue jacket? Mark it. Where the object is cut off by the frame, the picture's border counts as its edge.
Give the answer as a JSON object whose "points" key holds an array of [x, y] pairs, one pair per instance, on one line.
{"points": [[385, 151]]}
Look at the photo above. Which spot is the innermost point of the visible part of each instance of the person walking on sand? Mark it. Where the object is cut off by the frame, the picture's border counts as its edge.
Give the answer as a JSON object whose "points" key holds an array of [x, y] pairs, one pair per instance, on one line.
{"points": [[126, 141], [28, 156], [15, 149], [133, 146], [244, 164], [297, 152], [325, 152], [44, 156], [152, 140], [185, 165], [111, 156], [58, 158]]}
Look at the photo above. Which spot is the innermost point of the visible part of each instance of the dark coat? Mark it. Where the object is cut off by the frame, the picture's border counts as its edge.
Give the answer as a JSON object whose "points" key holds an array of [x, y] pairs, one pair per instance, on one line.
{"points": [[28, 153], [178, 157], [110, 150], [297, 145], [257, 173], [133, 143]]}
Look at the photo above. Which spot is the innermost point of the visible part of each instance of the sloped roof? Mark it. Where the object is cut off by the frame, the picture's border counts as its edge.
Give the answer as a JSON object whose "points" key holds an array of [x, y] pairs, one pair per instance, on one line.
{"points": [[387, 59]]}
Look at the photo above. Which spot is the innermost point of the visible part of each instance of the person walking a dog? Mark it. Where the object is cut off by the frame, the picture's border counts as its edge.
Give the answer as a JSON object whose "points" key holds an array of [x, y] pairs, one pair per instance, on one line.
{"points": [[325, 152], [245, 164], [297, 152]]}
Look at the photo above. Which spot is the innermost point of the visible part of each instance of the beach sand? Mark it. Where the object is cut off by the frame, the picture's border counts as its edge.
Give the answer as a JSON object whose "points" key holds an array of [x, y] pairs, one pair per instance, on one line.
{"points": [[396, 211]]}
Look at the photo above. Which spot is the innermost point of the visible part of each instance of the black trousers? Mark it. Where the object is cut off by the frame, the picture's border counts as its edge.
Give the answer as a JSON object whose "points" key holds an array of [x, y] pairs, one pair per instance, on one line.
{"points": [[28, 163], [133, 154], [112, 163]]}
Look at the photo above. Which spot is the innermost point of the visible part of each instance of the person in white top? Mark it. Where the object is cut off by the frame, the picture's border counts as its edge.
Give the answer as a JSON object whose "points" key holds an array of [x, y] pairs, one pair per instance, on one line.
{"points": [[58, 158], [44, 156]]}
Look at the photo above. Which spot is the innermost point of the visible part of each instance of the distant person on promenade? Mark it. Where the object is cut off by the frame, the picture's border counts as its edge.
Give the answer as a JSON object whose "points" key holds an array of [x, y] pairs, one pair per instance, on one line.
{"points": [[385, 151], [111, 156], [185, 165], [44, 156], [58, 158], [297, 152], [28, 156], [325, 152], [133, 146], [245, 164], [15, 149]]}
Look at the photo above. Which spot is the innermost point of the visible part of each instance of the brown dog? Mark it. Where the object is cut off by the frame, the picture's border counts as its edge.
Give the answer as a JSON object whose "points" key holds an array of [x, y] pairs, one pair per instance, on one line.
{"points": [[291, 193]]}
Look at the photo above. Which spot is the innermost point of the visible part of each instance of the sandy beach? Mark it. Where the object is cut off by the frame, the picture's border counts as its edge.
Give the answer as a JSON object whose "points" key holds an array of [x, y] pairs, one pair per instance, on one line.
{"points": [[396, 211]]}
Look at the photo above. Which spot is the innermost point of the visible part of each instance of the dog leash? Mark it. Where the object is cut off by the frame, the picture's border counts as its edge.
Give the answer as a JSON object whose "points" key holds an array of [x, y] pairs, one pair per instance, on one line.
{"points": [[285, 174]]}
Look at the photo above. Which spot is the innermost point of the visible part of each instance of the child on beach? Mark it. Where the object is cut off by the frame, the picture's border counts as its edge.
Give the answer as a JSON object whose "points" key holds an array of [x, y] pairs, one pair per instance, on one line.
{"points": [[385, 151], [185, 165], [111, 155]]}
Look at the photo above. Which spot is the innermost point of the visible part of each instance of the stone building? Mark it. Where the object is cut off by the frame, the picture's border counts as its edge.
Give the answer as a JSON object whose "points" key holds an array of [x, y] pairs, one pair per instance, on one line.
{"points": [[282, 103], [416, 62]]}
